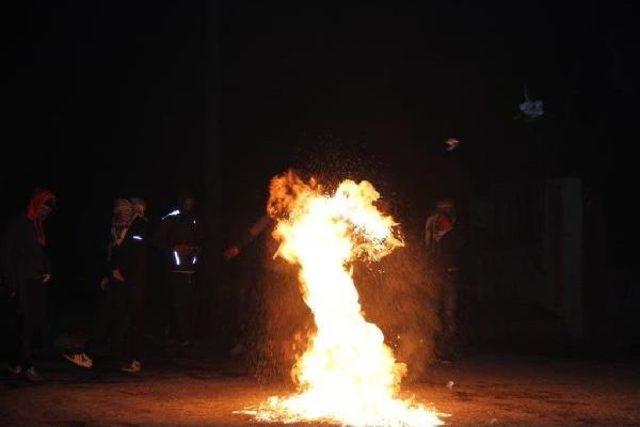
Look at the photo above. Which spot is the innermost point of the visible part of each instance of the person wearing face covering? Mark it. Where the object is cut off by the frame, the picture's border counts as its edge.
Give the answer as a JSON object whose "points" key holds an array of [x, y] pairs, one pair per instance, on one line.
{"points": [[121, 284], [444, 243], [26, 271]]}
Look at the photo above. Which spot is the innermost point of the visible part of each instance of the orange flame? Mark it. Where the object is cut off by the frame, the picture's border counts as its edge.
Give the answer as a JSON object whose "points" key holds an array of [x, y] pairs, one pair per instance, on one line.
{"points": [[348, 374]]}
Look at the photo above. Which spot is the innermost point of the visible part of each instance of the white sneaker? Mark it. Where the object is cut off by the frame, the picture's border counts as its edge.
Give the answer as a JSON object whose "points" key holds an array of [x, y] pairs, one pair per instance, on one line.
{"points": [[15, 369], [33, 375], [80, 359], [132, 368]]}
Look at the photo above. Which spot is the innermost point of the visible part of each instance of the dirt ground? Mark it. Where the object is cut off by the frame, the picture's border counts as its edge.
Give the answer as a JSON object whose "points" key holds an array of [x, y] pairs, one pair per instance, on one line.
{"points": [[486, 390]]}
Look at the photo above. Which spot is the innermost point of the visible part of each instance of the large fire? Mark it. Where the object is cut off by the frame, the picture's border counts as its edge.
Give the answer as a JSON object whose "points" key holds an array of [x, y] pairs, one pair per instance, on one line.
{"points": [[347, 375]]}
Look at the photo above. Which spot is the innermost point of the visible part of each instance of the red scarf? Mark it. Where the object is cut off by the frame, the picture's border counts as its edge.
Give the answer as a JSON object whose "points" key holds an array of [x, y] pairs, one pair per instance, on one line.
{"points": [[39, 199]]}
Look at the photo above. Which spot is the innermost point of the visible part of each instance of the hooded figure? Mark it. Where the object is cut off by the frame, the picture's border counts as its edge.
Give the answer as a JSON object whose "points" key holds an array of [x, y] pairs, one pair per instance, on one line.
{"points": [[443, 245], [122, 218], [123, 284], [139, 208], [438, 225], [25, 271]]}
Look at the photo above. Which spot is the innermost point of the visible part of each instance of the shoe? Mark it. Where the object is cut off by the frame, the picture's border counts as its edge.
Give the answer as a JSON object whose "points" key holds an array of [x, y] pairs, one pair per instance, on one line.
{"points": [[132, 368], [15, 369], [80, 359], [33, 375]]}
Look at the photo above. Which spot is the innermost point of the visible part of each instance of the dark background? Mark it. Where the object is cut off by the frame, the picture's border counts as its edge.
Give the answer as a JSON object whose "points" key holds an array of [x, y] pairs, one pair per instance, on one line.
{"points": [[150, 98]]}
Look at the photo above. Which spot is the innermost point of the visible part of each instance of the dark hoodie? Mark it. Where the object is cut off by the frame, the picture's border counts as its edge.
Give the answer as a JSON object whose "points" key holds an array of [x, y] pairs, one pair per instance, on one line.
{"points": [[181, 229], [23, 253], [130, 256]]}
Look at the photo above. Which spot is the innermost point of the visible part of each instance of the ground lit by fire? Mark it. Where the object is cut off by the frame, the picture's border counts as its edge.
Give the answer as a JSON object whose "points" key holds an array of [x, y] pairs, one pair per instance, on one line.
{"points": [[347, 374], [489, 390]]}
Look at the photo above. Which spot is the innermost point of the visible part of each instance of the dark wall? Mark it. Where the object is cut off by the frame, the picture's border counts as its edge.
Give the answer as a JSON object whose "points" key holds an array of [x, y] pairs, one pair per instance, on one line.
{"points": [[371, 90], [107, 99], [121, 98]]}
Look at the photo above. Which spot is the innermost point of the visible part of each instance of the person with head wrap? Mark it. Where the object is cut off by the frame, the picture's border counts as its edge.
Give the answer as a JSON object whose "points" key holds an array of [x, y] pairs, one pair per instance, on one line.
{"points": [[443, 245], [122, 285], [26, 270], [120, 222], [139, 208]]}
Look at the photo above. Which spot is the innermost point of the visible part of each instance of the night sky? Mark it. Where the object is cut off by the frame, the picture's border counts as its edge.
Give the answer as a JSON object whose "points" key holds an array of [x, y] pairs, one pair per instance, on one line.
{"points": [[151, 98]]}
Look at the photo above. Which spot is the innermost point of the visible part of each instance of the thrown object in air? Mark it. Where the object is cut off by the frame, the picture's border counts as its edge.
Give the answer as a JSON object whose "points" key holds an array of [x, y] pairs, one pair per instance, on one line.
{"points": [[452, 144], [531, 109]]}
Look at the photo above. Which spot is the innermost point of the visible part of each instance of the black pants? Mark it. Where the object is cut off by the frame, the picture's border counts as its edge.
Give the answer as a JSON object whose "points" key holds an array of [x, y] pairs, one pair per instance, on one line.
{"points": [[182, 291], [134, 335], [31, 306], [113, 320], [448, 342]]}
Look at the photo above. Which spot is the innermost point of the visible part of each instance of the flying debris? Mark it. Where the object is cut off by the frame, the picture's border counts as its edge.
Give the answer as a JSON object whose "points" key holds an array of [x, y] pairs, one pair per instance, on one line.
{"points": [[530, 109], [451, 144]]}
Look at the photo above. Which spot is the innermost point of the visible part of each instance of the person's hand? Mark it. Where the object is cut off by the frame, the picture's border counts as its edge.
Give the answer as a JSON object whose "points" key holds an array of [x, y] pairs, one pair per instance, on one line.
{"points": [[117, 275], [232, 252], [104, 282], [46, 278]]}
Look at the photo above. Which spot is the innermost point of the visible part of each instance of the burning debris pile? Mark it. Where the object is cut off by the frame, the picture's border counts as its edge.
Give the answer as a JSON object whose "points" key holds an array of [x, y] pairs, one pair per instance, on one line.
{"points": [[347, 374]]}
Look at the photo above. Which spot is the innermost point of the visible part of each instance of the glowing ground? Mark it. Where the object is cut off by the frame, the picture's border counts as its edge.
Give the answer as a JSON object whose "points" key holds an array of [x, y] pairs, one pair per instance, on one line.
{"points": [[487, 391]]}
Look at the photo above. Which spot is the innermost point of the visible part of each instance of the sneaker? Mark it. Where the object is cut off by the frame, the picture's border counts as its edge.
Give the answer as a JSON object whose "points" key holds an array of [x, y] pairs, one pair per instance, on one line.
{"points": [[33, 375], [15, 369], [80, 359], [132, 368]]}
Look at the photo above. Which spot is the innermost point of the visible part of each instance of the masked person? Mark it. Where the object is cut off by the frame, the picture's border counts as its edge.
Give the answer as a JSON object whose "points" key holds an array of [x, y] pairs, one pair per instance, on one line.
{"points": [[180, 236], [122, 286], [443, 243], [26, 271]]}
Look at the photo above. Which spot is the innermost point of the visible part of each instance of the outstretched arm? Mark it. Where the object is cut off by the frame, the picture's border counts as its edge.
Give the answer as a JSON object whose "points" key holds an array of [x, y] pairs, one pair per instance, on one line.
{"points": [[252, 233]]}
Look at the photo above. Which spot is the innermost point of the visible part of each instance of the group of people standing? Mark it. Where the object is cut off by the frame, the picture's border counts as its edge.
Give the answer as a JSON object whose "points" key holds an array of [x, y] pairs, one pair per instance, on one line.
{"points": [[178, 239], [26, 271]]}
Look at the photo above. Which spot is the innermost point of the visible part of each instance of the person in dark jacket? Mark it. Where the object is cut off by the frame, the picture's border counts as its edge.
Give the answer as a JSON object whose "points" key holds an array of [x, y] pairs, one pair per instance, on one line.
{"points": [[26, 270], [123, 284], [180, 237], [443, 244]]}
